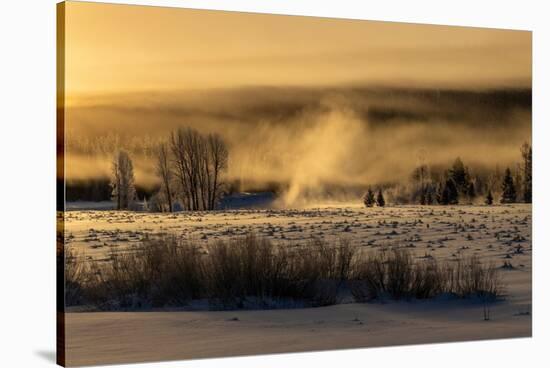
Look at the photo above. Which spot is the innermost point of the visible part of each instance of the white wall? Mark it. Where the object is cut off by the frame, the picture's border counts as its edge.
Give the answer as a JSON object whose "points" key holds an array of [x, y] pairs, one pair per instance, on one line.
{"points": [[27, 261]]}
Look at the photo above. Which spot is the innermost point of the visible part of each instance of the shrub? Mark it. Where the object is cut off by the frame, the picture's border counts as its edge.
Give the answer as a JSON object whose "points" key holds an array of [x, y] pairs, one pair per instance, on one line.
{"points": [[237, 273], [252, 272], [74, 277], [161, 272], [324, 269], [430, 279], [395, 274], [471, 278]]}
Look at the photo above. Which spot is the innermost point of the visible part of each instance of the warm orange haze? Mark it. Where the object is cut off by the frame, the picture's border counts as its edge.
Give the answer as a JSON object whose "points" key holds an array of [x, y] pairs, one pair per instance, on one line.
{"points": [[302, 102], [114, 49], [236, 184]]}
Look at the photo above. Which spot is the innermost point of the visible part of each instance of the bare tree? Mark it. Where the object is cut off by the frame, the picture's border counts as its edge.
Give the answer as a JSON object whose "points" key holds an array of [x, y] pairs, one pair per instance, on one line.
{"points": [[180, 165], [122, 180], [198, 163], [219, 158], [164, 172], [203, 173]]}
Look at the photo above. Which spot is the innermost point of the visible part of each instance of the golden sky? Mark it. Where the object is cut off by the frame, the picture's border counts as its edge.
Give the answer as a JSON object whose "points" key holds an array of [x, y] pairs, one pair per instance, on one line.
{"points": [[123, 48]]}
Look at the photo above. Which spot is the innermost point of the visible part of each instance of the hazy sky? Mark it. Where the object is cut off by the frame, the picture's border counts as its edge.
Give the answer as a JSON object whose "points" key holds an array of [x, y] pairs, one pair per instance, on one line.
{"points": [[114, 48]]}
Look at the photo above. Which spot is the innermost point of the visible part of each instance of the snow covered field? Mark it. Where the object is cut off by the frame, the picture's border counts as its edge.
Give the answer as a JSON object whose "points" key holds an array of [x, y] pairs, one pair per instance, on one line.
{"points": [[497, 234], [438, 231]]}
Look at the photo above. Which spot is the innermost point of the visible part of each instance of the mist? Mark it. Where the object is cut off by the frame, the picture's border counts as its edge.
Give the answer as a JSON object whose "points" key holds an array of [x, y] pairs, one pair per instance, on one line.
{"points": [[306, 139]]}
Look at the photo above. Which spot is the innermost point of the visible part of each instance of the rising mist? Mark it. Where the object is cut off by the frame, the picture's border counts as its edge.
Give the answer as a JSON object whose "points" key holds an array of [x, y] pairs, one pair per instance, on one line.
{"points": [[303, 139]]}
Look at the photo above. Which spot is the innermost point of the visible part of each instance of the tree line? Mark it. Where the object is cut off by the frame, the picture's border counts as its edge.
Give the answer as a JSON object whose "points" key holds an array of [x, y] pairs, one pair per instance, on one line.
{"points": [[189, 166], [460, 184]]}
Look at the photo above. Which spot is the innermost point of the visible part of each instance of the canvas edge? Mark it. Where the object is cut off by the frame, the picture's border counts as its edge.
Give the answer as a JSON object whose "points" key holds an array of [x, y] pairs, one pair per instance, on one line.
{"points": [[60, 184]]}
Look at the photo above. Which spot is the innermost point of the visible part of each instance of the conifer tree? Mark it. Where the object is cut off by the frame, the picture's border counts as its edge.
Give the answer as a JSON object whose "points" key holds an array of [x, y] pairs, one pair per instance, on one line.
{"points": [[508, 188], [369, 198], [380, 201], [459, 174], [471, 192], [449, 193]]}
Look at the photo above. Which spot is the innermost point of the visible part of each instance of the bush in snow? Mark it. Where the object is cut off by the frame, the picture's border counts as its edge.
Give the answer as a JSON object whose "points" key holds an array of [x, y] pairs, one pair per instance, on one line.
{"points": [[396, 275], [252, 272]]}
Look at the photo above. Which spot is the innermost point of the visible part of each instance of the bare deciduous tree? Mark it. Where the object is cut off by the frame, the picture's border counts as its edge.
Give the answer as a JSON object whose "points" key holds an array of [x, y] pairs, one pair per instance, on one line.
{"points": [[164, 172], [122, 181], [219, 157], [198, 163]]}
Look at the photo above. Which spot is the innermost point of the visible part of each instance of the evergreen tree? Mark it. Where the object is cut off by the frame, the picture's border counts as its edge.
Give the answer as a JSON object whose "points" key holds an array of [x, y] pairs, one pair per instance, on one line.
{"points": [[443, 197], [459, 174], [449, 193], [380, 201], [508, 188], [471, 192], [489, 198], [527, 155], [369, 198]]}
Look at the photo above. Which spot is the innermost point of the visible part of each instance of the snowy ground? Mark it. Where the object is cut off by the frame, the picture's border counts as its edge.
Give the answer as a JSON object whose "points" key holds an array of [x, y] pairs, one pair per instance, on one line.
{"points": [[496, 234], [444, 232]]}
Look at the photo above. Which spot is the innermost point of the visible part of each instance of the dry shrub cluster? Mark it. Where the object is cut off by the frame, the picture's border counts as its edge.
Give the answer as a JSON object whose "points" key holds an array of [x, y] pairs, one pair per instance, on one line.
{"points": [[252, 272], [397, 275], [75, 273], [160, 272]]}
